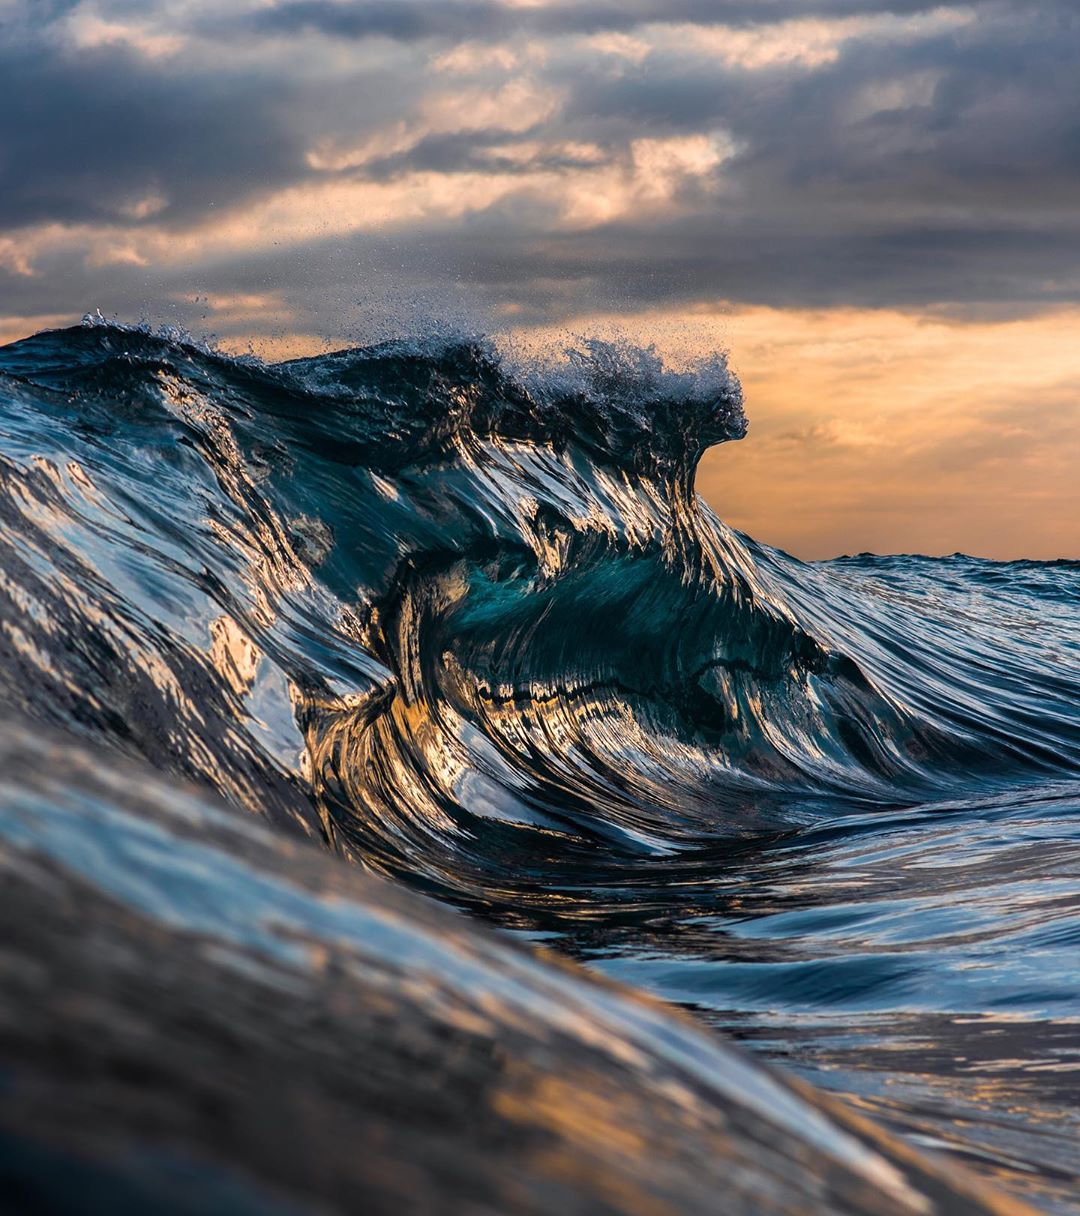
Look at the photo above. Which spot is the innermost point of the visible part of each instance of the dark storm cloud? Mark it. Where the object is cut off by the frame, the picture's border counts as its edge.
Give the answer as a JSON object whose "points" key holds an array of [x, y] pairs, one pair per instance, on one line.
{"points": [[708, 261], [413, 20], [84, 137], [932, 165]]}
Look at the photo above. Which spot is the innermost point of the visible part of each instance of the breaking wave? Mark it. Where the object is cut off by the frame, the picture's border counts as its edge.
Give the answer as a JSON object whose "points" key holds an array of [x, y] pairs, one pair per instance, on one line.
{"points": [[475, 630]]}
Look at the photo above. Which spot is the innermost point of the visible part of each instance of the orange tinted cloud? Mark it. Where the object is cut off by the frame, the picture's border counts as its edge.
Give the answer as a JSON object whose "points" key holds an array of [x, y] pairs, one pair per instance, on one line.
{"points": [[888, 431]]}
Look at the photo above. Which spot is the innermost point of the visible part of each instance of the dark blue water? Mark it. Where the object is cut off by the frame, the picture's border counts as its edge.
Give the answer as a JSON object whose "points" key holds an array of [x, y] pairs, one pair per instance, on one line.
{"points": [[472, 628]]}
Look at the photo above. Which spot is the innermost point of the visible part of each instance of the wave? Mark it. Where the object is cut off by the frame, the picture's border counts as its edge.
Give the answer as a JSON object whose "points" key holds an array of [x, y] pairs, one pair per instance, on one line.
{"points": [[473, 628], [200, 1018]]}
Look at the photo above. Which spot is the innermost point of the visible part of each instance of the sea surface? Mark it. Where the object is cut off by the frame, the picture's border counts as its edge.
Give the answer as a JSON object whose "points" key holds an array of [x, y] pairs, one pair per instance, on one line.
{"points": [[467, 625]]}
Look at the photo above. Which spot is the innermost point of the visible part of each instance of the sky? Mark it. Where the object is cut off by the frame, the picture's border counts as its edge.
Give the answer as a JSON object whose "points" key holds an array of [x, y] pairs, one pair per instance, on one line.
{"points": [[872, 205]]}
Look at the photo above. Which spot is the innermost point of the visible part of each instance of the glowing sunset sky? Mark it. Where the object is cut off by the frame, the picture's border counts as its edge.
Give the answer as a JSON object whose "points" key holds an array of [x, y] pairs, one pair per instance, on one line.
{"points": [[873, 204]]}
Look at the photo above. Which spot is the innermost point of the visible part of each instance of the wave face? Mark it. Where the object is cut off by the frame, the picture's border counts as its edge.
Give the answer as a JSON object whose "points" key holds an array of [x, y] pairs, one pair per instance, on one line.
{"points": [[475, 630]]}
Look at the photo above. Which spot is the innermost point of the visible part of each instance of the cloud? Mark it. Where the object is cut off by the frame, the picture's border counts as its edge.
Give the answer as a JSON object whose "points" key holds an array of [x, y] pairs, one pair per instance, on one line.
{"points": [[416, 20], [889, 432], [86, 31], [797, 153]]}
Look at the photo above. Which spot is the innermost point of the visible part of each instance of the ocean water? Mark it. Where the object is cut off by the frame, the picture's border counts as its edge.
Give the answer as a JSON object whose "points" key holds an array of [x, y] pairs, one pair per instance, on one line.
{"points": [[469, 628]]}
